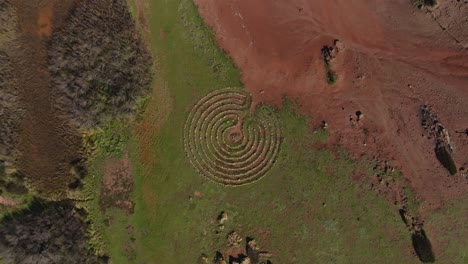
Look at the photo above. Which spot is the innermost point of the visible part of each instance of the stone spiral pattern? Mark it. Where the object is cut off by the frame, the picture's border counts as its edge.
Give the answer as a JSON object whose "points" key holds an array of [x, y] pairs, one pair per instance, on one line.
{"points": [[226, 143]]}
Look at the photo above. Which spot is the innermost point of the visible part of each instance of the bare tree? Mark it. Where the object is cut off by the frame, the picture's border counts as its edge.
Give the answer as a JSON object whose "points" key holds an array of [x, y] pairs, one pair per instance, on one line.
{"points": [[99, 64]]}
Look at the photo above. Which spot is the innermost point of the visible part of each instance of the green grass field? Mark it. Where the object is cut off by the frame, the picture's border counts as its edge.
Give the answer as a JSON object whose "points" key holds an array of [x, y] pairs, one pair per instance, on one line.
{"points": [[305, 210]]}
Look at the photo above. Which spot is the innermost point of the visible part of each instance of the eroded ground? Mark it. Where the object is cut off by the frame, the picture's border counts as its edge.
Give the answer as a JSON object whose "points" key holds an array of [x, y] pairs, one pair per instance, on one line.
{"points": [[394, 59]]}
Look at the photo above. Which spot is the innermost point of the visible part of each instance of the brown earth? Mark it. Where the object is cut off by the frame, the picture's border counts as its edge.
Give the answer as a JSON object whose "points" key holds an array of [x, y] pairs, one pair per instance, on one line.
{"points": [[396, 58], [117, 184], [48, 143]]}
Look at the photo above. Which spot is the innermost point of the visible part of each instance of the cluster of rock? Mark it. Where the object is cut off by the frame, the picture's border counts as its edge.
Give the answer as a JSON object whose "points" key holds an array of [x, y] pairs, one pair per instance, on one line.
{"points": [[252, 254], [421, 243], [439, 134]]}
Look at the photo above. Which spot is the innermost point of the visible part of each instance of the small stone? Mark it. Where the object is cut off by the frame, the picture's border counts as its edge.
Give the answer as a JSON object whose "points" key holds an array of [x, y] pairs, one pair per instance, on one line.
{"points": [[234, 239], [246, 260], [223, 217], [339, 45], [324, 124], [204, 259], [359, 115], [253, 245]]}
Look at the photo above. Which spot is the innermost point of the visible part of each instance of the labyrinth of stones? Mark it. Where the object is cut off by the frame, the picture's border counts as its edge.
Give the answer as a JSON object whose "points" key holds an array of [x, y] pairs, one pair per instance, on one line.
{"points": [[226, 142]]}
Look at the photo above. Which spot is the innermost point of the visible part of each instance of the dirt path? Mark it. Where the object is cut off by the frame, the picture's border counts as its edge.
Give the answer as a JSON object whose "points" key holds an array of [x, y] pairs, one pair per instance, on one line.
{"points": [[396, 58], [48, 144]]}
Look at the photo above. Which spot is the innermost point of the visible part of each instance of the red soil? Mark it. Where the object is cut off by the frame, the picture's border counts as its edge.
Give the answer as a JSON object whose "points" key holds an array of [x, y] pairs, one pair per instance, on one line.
{"points": [[396, 58]]}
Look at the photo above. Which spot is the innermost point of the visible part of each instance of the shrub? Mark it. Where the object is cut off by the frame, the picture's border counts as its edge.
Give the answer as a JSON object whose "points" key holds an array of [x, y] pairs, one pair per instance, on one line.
{"points": [[46, 232], [8, 23], [98, 63]]}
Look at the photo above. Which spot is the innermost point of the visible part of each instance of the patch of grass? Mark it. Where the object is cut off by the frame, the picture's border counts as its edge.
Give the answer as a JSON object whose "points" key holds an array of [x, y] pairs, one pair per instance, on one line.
{"points": [[448, 227], [331, 77], [24, 201], [89, 200], [324, 210], [109, 139], [321, 135]]}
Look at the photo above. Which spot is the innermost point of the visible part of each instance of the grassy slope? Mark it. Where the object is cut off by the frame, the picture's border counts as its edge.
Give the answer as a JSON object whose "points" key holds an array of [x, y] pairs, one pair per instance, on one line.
{"points": [[283, 210], [306, 210]]}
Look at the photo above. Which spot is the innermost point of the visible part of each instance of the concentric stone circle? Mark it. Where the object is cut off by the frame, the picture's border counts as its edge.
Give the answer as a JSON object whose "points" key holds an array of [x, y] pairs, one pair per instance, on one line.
{"points": [[227, 143]]}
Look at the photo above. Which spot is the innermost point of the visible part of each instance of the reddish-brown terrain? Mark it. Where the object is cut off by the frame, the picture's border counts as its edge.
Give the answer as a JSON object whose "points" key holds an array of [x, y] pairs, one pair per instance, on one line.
{"points": [[396, 58]]}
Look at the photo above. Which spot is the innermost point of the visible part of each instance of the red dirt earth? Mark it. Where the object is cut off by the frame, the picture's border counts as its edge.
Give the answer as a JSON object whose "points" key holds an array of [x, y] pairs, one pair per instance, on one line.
{"points": [[396, 58]]}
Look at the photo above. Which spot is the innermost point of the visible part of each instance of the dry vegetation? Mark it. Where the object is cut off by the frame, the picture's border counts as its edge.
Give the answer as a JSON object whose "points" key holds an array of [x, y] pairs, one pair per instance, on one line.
{"points": [[98, 63], [46, 233], [10, 107], [9, 113], [7, 23]]}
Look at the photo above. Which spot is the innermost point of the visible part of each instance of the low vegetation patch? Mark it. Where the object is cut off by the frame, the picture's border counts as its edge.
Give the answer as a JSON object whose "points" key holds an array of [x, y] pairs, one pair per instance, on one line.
{"points": [[436, 132], [98, 63]]}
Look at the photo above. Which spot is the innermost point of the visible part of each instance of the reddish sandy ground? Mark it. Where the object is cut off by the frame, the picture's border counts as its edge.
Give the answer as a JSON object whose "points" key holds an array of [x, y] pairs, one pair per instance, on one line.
{"points": [[396, 58]]}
